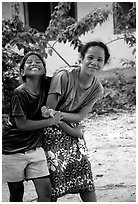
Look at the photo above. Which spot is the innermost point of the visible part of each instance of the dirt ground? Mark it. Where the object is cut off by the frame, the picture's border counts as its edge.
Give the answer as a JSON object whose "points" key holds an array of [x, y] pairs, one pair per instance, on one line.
{"points": [[111, 140]]}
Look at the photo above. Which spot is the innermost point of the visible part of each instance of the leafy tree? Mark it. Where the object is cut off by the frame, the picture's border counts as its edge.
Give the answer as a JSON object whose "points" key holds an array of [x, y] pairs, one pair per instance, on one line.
{"points": [[18, 39], [125, 24]]}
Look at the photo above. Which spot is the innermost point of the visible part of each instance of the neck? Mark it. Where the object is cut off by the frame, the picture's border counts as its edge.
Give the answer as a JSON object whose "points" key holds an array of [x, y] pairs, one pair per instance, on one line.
{"points": [[85, 80], [33, 85]]}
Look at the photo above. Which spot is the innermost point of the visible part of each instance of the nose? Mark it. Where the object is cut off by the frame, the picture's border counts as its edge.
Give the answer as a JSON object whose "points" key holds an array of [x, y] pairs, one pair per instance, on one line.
{"points": [[33, 62], [94, 62]]}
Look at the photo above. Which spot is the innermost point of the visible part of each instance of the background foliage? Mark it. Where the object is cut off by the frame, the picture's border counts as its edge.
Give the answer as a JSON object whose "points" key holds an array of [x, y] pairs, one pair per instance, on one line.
{"points": [[18, 39], [120, 93]]}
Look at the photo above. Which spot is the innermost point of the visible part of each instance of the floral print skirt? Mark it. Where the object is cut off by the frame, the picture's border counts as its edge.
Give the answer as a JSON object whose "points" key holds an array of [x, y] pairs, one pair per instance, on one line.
{"points": [[70, 169]]}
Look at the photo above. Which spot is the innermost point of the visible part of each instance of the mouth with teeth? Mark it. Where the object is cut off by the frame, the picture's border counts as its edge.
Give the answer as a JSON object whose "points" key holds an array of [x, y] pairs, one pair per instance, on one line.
{"points": [[34, 69]]}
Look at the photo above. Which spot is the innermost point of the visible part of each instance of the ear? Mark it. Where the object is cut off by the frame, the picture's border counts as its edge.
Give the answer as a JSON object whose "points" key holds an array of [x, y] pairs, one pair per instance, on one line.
{"points": [[22, 73], [80, 61]]}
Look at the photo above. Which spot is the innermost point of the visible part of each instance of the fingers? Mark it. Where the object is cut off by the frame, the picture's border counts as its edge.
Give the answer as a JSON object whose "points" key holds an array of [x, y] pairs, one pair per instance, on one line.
{"points": [[47, 112], [60, 114], [58, 117], [44, 111]]}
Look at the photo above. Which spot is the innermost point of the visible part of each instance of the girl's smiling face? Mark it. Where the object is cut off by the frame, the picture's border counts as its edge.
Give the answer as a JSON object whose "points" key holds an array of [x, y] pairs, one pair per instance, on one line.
{"points": [[33, 66], [93, 60]]}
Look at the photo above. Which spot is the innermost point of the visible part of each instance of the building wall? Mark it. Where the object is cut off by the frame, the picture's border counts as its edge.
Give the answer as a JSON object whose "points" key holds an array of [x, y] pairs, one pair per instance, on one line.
{"points": [[118, 49], [105, 32], [7, 10]]}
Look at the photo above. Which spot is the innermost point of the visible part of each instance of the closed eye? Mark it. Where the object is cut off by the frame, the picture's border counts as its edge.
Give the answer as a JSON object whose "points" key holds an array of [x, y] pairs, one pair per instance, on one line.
{"points": [[39, 61], [30, 61], [90, 57]]}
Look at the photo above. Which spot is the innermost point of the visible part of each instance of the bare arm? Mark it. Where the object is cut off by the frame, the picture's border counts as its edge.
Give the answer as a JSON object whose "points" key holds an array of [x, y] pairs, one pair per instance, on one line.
{"points": [[75, 132], [77, 117], [52, 101], [27, 125]]}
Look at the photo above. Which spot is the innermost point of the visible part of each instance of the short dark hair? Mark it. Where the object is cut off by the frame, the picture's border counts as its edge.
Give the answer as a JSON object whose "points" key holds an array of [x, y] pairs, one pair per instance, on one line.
{"points": [[24, 60], [95, 43]]}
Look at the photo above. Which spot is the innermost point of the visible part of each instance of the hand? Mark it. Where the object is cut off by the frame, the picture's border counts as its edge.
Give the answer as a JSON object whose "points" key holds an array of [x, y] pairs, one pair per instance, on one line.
{"points": [[58, 117], [47, 112], [78, 131]]}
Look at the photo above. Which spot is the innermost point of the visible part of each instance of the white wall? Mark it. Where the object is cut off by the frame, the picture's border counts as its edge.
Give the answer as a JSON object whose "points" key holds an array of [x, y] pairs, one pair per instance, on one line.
{"points": [[7, 10]]}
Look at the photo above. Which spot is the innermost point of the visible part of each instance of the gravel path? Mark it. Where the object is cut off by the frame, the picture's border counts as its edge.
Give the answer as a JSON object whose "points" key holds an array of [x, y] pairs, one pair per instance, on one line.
{"points": [[111, 140]]}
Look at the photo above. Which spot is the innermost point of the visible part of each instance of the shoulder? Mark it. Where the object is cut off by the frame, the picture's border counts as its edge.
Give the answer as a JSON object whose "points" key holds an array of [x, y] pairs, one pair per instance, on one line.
{"points": [[19, 90], [98, 85], [100, 89], [67, 71], [60, 74]]}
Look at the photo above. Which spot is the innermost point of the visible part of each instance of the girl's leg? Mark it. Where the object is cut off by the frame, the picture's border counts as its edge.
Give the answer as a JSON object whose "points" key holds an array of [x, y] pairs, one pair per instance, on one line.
{"points": [[16, 191], [43, 189], [88, 196]]}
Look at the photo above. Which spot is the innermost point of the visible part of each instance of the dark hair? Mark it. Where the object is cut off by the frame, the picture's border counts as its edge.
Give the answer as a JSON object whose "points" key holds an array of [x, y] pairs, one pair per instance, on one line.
{"points": [[42, 86], [24, 60], [95, 43]]}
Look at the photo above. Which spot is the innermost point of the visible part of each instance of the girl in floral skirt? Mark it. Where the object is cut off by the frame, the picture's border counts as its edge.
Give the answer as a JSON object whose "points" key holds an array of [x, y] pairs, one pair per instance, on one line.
{"points": [[74, 91]]}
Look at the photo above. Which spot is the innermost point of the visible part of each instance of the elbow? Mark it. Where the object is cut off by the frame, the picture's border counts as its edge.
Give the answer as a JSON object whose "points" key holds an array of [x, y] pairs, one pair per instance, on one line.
{"points": [[81, 117], [22, 124], [21, 127]]}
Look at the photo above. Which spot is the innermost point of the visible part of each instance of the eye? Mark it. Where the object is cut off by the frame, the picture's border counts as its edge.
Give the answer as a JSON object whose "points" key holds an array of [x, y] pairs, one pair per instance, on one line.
{"points": [[90, 57], [100, 60], [28, 62], [38, 61]]}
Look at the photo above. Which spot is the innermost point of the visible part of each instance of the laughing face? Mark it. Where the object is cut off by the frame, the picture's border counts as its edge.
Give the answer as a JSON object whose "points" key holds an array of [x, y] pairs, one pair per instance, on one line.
{"points": [[94, 60], [33, 67]]}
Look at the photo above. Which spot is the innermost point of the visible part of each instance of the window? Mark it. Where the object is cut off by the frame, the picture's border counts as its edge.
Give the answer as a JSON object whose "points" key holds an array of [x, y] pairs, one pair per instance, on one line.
{"points": [[38, 14], [120, 11]]}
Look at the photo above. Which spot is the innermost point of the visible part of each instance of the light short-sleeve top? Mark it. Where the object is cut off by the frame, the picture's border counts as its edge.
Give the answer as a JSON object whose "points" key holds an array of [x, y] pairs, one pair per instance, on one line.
{"points": [[71, 96]]}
